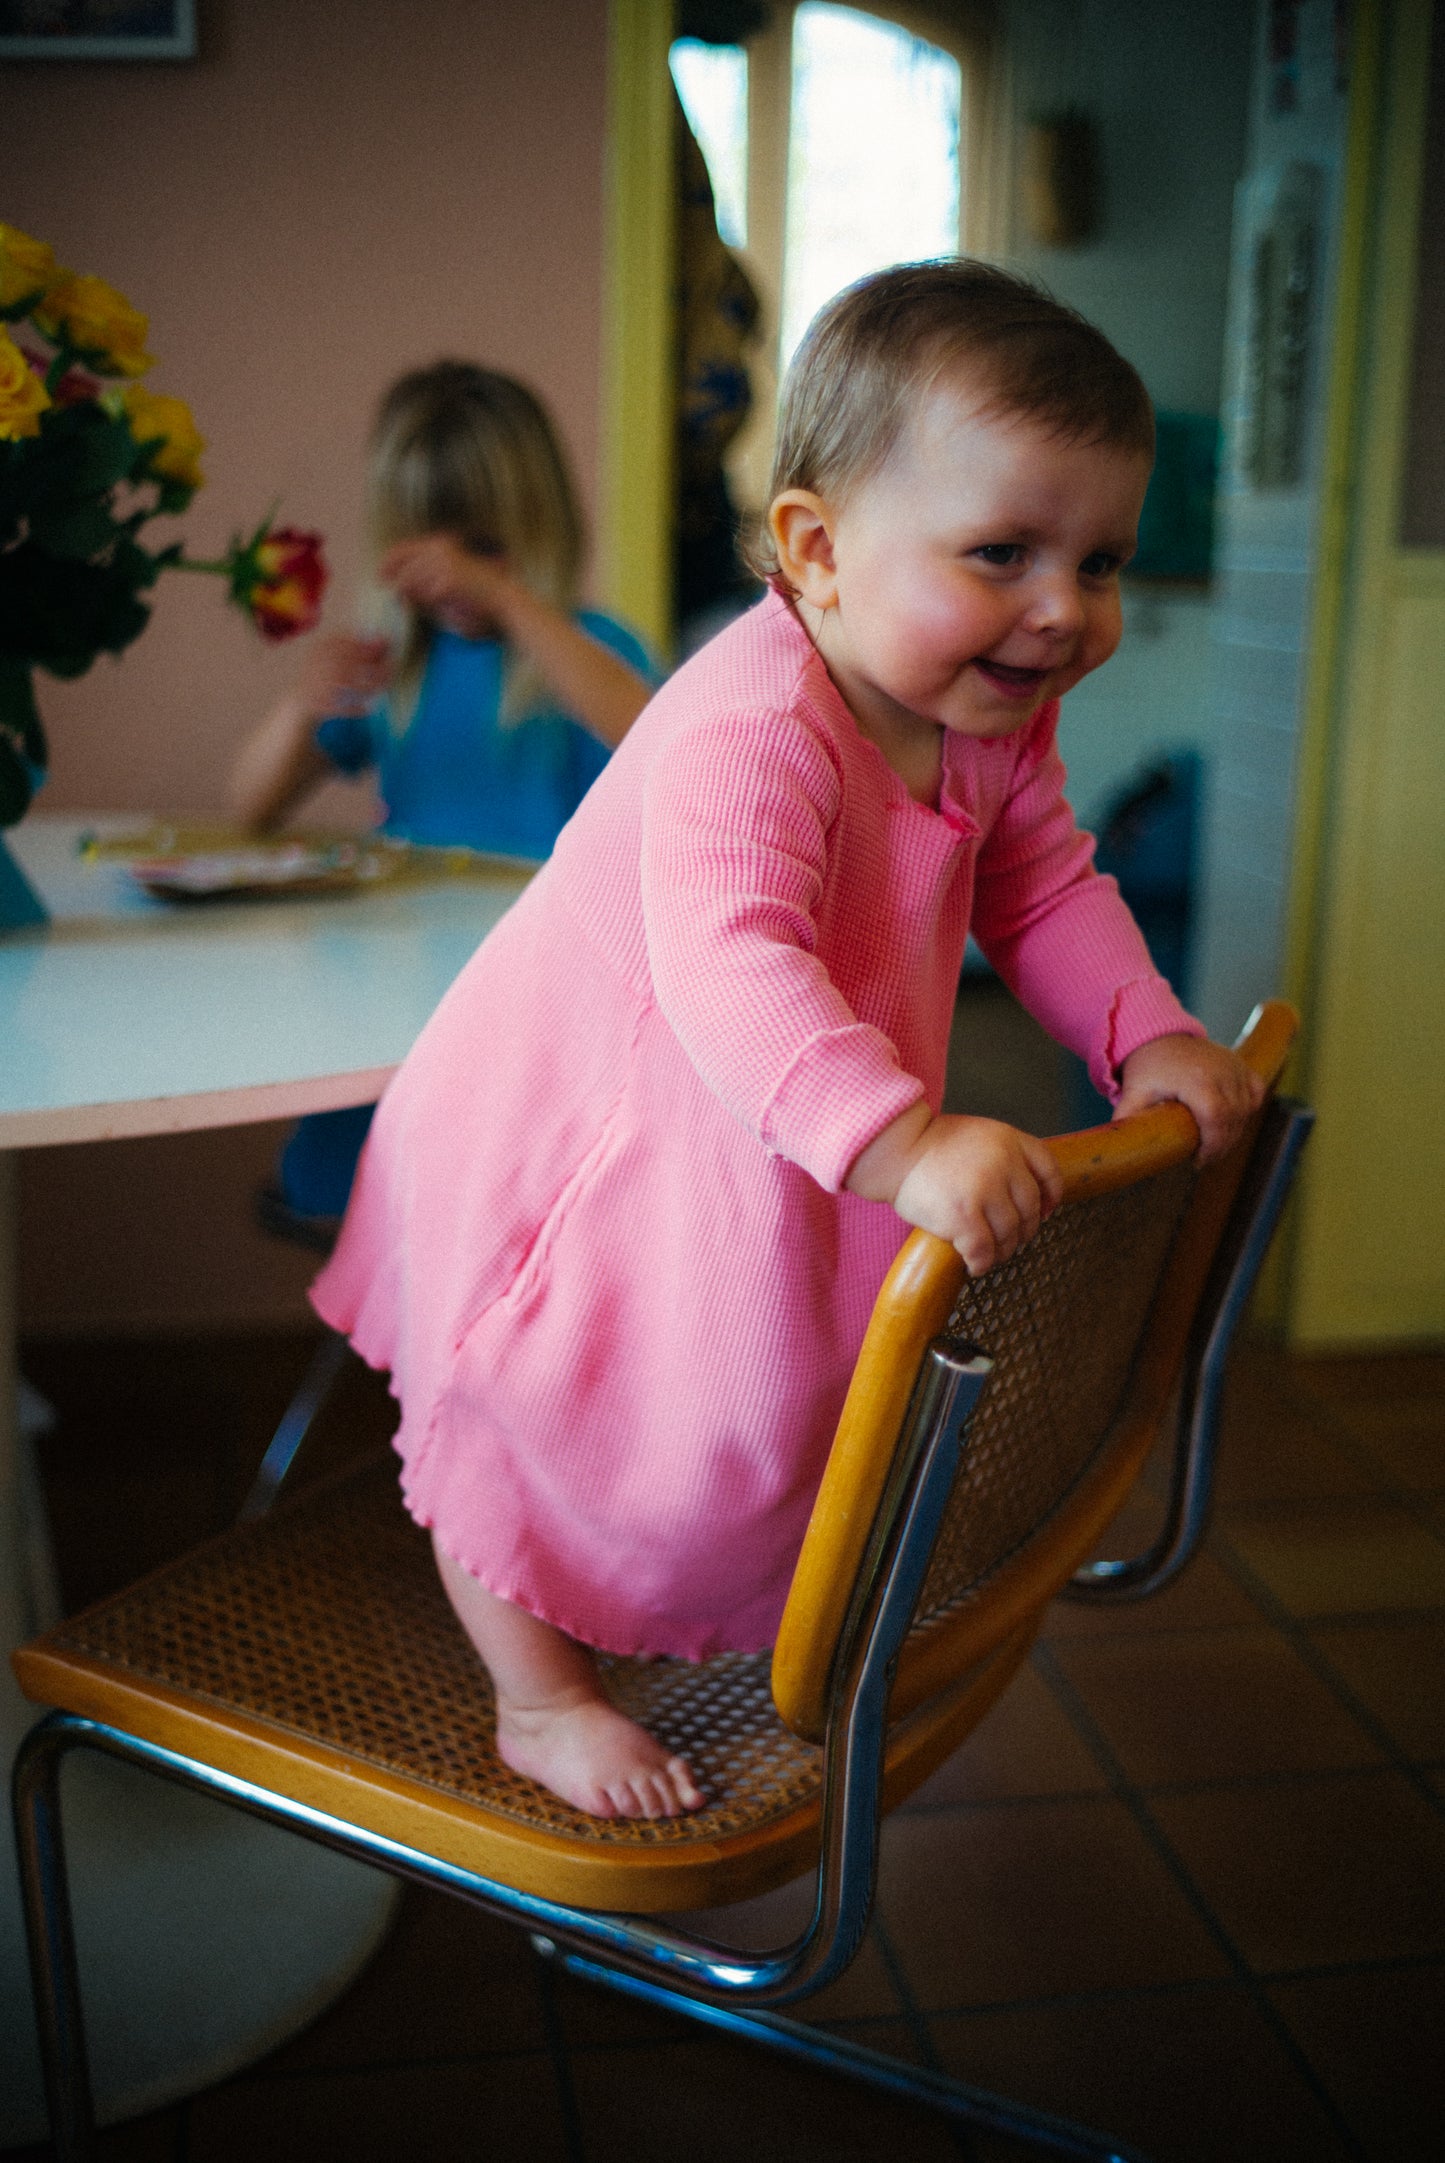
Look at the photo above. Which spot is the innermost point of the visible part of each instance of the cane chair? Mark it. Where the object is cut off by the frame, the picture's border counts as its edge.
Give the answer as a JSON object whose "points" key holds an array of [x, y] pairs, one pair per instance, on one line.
{"points": [[281, 1220], [992, 1429]]}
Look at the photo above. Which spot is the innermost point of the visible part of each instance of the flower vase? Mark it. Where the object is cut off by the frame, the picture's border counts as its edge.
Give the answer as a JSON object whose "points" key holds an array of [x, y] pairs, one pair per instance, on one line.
{"points": [[20, 906], [22, 769]]}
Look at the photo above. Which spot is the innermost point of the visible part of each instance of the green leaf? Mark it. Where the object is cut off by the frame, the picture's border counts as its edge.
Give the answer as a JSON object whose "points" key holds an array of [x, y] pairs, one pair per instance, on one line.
{"points": [[16, 785], [20, 716], [133, 565], [74, 531], [84, 450], [10, 496], [59, 614]]}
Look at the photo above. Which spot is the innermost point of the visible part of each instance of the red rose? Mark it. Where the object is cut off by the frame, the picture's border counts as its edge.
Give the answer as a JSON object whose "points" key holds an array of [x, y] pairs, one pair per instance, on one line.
{"points": [[77, 387], [285, 577]]}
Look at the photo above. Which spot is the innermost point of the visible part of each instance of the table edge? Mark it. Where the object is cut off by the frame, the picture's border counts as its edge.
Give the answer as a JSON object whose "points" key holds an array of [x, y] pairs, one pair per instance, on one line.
{"points": [[249, 1105]]}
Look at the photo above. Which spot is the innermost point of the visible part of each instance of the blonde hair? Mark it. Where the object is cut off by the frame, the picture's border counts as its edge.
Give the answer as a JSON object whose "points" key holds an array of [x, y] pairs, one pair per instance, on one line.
{"points": [[871, 356], [463, 450]]}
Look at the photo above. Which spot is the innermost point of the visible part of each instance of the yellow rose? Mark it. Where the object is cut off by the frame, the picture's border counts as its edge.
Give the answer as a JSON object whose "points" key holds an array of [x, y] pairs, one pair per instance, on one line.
{"points": [[100, 323], [23, 397], [151, 414], [27, 267]]}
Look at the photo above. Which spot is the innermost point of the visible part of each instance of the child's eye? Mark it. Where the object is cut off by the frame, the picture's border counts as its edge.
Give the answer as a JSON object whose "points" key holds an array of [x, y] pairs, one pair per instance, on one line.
{"points": [[1002, 553], [1101, 565]]}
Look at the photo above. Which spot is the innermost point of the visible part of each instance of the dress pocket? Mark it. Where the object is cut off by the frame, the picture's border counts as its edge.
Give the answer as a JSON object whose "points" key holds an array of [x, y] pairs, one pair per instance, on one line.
{"points": [[529, 1280]]}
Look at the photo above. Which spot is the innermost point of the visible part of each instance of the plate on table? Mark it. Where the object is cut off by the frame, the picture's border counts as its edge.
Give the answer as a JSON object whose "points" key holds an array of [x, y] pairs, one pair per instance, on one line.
{"points": [[263, 868]]}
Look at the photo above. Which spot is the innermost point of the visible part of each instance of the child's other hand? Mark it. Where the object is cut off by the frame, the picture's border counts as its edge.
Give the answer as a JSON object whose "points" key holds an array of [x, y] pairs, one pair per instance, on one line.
{"points": [[464, 592], [1213, 1082], [342, 674], [982, 1186]]}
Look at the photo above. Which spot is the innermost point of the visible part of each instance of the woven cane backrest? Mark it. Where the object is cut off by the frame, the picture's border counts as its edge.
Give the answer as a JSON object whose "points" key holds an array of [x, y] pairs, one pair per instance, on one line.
{"points": [[1062, 1323], [1086, 1328]]}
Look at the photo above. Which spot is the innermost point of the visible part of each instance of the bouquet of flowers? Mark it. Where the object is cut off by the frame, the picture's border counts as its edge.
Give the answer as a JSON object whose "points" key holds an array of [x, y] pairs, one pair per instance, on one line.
{"points": [[88, 456]]}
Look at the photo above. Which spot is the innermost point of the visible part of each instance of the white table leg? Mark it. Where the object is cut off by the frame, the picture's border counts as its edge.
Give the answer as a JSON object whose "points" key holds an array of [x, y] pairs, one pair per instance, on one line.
{"points": [[205, 1938]]}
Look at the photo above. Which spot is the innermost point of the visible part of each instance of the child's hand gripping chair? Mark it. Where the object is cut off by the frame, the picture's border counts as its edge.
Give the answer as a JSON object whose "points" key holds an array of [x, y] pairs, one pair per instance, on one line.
{"points": [[992, 1430]]}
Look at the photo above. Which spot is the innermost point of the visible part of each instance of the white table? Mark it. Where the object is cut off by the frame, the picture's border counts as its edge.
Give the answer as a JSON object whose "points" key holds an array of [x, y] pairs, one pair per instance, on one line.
{"points": [[204, 1937]]}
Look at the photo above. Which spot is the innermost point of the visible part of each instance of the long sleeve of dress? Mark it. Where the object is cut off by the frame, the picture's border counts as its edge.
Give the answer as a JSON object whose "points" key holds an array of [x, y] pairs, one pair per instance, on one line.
{"points": [[735, 834], [1059, 933]]}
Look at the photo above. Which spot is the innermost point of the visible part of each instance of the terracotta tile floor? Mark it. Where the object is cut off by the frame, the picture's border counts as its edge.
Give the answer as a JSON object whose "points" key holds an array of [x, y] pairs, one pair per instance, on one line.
{"points": [[1187, 1881]]}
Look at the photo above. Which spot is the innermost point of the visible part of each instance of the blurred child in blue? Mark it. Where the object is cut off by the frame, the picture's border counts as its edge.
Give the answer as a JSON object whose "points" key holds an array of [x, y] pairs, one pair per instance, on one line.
{"points": [[492, 706]]}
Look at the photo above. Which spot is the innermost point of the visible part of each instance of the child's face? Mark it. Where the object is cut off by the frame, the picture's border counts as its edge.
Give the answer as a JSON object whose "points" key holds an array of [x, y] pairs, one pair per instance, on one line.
{"points": [[975, 576]]}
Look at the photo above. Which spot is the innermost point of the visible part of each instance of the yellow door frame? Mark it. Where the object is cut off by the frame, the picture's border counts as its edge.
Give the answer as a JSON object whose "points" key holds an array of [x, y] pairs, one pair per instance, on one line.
{"points": [[1367, 946], [638, 392]]}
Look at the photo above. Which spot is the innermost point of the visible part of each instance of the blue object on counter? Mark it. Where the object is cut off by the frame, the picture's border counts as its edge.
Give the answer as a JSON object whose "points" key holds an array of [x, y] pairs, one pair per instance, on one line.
{"points": [[1148, 840], [21, 908], [1176, 525]]}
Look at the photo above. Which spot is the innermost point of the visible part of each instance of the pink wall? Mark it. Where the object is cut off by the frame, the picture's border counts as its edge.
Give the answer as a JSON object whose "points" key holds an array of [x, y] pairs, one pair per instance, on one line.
{"points": [[326, 196]]}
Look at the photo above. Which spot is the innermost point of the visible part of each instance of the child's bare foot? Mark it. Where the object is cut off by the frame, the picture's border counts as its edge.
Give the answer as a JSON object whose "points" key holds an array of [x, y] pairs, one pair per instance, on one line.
{"points": [[595, 1758], [554, 1721]]}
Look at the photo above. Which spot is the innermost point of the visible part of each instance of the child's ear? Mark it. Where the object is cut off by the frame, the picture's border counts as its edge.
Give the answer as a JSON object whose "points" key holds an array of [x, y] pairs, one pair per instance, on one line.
{"points": [[802, 528]]}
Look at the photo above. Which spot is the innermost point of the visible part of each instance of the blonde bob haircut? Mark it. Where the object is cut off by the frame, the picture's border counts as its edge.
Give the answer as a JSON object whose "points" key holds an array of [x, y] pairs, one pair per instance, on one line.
{"points": [[872, 355], [462, 450]]}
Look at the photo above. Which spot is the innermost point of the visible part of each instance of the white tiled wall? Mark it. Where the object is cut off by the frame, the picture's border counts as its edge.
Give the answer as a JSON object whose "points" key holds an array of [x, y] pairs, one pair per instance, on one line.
{"points": [[1152, 698], [1263, 573], [1165, 83]]}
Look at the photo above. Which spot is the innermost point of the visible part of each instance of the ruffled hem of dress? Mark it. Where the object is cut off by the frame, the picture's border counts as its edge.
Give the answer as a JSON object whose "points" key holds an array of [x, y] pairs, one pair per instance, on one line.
{"points": [[607, 1640]]}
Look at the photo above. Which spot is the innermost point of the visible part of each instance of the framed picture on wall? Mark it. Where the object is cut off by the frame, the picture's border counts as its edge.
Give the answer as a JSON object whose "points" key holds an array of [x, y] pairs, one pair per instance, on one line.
{"points": [[97, 29]]}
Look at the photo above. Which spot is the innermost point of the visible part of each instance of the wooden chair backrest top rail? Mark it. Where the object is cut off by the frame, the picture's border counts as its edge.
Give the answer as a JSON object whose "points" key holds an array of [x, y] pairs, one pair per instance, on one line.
{"points": [[1087, 1328]]}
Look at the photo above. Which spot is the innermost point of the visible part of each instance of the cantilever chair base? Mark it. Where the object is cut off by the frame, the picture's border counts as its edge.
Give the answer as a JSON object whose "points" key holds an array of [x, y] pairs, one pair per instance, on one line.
{"points": [[991, 1431], [588, 1945], [957, 2099]]}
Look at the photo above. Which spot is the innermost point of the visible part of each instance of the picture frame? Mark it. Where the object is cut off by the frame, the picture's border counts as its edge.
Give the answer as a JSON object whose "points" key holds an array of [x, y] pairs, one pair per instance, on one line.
{"points": [[97, 29]]}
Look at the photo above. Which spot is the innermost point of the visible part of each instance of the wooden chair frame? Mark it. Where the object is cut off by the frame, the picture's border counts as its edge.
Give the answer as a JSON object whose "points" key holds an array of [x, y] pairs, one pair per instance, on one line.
{"points": [[864, 1680]]}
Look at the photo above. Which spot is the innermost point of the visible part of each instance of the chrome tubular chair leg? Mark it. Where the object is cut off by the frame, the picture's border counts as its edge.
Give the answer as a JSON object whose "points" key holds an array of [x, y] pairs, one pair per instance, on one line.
{"points": [[326, 1364], [976, 2107], [724, 1986], [1262, 1196], [949, 1385], [51, 1936]]}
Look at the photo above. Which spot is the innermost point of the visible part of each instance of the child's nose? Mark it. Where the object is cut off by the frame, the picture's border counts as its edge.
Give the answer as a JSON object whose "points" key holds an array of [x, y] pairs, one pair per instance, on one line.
{"points": [[1056, 605]]}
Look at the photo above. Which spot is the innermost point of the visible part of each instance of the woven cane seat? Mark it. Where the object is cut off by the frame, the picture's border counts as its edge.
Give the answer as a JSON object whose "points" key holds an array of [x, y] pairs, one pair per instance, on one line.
{"points": [[314, 1649]]}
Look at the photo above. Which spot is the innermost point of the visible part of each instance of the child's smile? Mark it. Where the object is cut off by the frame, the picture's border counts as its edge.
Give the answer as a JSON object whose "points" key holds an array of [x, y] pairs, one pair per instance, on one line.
{"points": [[972, 579]]}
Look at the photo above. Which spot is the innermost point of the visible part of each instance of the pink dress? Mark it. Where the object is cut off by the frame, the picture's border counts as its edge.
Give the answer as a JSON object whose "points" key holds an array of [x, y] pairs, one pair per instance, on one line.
{"points": [[598, 1234]]}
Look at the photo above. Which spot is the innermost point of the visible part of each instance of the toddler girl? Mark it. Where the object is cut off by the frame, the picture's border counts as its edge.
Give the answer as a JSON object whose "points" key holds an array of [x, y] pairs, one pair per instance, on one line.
{"points": [[492, 710], [626, 1206]]}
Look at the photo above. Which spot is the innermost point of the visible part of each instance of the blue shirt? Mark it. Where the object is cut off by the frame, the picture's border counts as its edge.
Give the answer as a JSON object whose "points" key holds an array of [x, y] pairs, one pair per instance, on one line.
{"points": [[458, 775]]}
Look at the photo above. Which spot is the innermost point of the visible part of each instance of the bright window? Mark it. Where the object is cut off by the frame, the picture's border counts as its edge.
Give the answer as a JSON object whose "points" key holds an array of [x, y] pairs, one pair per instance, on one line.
{"points": [[712, 82], [873, 157]]}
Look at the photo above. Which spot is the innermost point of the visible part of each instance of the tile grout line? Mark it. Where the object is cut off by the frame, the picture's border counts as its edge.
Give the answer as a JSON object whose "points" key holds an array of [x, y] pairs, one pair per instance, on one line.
{"points": [[1341, 1435], [1164, 1850], [916, 2021], [1295, 1632], [1197, 1986], [1222, 1784]]}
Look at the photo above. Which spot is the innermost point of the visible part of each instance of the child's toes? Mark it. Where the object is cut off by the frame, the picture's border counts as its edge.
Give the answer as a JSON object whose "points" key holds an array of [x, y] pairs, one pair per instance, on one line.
{"points": [[621, 1801], [657, 1796], [689, 1795], [653, 1797]]}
